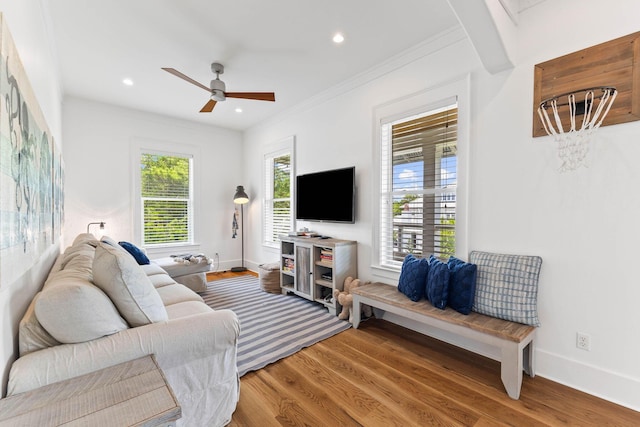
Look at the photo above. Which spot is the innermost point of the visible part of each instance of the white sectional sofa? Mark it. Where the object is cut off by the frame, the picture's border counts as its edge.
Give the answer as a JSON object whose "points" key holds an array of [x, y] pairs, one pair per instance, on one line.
{"points": [[99, 308]]}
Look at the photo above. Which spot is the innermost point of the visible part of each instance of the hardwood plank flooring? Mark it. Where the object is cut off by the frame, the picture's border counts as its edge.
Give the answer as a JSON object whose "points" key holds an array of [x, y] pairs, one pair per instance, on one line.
{"points": [[385, 375], [218, 275]]}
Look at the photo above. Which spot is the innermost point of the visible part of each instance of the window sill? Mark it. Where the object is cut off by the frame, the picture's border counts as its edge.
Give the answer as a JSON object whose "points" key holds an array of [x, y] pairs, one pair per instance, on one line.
{"points": [[271, 248], [385, 274]]}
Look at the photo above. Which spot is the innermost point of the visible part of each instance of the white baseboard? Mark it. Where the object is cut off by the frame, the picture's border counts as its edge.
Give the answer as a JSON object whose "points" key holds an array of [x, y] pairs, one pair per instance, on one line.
{"points": [[607, 385]]}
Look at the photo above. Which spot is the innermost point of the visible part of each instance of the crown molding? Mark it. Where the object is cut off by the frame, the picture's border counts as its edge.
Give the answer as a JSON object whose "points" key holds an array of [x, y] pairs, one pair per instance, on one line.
{"points": [[425, 48]]}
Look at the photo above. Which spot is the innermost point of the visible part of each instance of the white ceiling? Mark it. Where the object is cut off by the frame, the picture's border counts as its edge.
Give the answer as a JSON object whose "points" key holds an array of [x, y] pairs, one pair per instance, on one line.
{"points": [[282, 46]]}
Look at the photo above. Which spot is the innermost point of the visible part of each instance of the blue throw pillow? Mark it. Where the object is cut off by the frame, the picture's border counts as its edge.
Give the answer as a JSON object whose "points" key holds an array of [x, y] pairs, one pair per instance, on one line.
{"points": [[462, 285], [412, 277], [136, 252], [437, 285]]}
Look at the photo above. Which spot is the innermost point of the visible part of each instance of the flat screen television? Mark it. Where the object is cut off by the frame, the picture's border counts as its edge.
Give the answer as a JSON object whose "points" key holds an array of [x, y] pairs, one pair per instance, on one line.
{"points": [[327, 196]]}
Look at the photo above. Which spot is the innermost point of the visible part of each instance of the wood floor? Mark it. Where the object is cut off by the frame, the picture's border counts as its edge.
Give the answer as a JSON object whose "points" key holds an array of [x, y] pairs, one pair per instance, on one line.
{"points": [[218, 275], [385, 375]]}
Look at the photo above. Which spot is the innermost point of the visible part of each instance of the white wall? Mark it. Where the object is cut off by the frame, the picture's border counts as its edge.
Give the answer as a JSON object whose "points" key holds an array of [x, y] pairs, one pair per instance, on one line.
{"points": [[99, 141], [583, 224], [29, 27]]}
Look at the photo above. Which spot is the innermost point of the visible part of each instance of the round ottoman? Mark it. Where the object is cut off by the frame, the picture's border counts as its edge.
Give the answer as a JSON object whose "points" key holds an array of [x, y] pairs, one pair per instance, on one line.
{"points": [[269, 276]]}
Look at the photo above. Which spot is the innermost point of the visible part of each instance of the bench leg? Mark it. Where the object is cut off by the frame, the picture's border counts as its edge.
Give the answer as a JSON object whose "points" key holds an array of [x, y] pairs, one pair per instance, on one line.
{"points": [[529, 362], [511, 369], [356, 312]]}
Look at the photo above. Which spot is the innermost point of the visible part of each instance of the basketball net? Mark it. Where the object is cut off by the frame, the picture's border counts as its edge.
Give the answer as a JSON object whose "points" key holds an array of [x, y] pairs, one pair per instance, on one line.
{"points": [[573, 145]]}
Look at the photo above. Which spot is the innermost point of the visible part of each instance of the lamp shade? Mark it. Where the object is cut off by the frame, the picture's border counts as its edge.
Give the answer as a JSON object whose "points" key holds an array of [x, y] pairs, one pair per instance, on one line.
{"points": [[240, 197]]}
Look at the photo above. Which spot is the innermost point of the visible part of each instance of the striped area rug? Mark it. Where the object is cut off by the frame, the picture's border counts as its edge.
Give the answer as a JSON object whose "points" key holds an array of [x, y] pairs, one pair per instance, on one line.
{"points": [[272, 326]]}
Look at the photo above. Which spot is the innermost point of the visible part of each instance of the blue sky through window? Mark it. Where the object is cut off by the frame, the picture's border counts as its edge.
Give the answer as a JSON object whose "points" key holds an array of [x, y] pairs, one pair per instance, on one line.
{"points": [[409, 176]]}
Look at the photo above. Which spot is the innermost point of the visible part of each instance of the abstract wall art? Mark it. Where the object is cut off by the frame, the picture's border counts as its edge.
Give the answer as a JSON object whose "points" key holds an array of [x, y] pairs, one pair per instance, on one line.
{"points": [[31, 170]]}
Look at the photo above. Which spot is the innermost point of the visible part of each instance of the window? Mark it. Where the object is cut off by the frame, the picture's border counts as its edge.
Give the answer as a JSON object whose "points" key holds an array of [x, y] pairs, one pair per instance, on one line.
{"points": [[166, 193], [278, 201], [418, 184]]}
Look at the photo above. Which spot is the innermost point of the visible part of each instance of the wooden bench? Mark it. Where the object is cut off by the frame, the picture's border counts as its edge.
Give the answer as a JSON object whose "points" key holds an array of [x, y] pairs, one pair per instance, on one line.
{"points": [[514, 340]]}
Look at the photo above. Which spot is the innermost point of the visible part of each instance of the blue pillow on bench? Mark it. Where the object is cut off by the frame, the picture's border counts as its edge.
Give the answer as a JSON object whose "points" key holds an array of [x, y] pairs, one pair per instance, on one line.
{"points": [[462, 285], [413, 277], [507, 286], [136, 252], [437, 288]]}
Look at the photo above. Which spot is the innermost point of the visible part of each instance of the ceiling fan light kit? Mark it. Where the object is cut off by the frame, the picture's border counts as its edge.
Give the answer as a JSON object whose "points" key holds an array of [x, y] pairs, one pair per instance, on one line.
{"points": [[218, 90]]}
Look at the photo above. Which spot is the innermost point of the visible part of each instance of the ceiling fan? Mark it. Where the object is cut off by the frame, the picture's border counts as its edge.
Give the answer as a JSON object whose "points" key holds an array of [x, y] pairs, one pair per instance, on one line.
{"points": [[218, 89]]}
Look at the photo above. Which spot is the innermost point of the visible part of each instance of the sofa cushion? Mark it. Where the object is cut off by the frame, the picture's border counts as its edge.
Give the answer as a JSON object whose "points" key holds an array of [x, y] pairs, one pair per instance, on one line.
{"points": [[79, 262], [137, 253], [413, 277], [437, 283], [187, 308], [462, 285], [119, 276], [79, 256], [160, 280], [152, 269], [32, 335], [507, 286], [176, 293], [110, 241], [73, 310], [82, 239]]}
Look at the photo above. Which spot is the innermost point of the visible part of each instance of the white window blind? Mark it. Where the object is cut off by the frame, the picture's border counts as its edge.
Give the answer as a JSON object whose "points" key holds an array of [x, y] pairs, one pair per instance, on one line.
{"points": [[166, 198], [418, 157], [277, 210]]}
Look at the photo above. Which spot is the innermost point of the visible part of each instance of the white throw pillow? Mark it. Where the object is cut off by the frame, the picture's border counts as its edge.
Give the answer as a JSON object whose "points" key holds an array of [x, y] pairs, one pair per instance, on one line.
{"points": [[73, 310], [118, 274]]}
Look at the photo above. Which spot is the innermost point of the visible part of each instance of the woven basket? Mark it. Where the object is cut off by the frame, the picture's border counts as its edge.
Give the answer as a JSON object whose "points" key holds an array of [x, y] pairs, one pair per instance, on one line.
{"points": [[269, 275]]}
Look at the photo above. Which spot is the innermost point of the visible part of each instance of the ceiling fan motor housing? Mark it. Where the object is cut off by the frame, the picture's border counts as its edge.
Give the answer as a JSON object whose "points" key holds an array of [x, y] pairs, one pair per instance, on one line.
{"points": [[218, 88]]}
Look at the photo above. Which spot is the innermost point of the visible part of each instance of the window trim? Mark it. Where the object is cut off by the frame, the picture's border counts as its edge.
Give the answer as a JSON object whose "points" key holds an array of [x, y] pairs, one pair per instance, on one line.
{"points": [[140, 146], [457, 90], [433, 190], [284, 146]]}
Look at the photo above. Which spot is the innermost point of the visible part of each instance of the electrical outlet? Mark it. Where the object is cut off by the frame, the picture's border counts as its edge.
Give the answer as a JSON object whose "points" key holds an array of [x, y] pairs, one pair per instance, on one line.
{"points": [[583, 341]]}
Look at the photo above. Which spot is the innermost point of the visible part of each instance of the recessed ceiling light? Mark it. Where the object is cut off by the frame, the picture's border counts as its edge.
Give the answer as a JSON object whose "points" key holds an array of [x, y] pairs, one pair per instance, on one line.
{"points": [[338, 38], [238, 110], [127, 82]]}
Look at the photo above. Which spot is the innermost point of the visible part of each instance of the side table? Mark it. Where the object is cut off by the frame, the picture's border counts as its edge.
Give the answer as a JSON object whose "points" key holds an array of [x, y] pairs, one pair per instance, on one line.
{"points": [[133, 393]]}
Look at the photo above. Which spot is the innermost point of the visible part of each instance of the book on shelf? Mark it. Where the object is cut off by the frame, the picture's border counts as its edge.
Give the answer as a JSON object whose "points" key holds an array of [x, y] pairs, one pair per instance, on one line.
{"points": [[326, 255], [288, 265]]}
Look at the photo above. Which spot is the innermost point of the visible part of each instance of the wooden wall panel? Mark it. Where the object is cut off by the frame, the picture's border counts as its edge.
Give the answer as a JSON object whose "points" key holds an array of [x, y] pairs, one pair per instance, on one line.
{"points": [[614, 63]]}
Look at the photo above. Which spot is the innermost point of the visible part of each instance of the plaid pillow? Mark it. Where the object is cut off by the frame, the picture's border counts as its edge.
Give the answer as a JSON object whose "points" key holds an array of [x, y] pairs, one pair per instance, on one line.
{"points": [[507, 286]]}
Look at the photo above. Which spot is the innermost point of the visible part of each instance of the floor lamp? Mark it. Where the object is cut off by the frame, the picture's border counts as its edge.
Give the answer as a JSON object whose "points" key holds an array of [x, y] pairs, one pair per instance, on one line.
{"points": [[241, 198]]}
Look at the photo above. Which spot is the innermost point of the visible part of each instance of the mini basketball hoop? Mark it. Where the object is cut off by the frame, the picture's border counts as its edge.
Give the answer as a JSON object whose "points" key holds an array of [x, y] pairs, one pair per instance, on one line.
{"points": [[573, 144]]}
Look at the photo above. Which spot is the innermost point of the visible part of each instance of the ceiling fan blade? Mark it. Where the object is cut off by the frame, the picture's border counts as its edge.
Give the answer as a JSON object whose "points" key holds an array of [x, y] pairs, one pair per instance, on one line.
{"points": [[183, 77], [258, 96], [208, 107]]}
